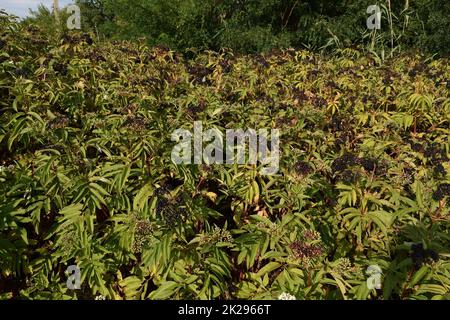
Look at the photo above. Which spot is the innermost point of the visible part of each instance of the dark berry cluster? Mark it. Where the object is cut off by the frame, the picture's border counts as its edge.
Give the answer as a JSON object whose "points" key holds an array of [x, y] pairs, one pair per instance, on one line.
{"points": [[306, 251], [432, 151], [171, 184], [419, 255], [442, 191], [387, 80], [226, 66], [68, 39], [333, 85], [143, 227], [435, 154], [33, 29], [337, 124], [341, 163], [19, 72], [341, 139], [330, 202], [440, 170], [349, 176], [372, 99], [199, 74], [299, 95], [87, 38], [302, 168], [58, 123], [319, 102], [312, 74], [142, 235], [162, 203], [60, 68], [310, 235], [95, 56], [408, 174], [172, 216], [216, 235], [259, 59], [136, 123], [193, 111], [418, 68], [368, 164], [417, 147]]}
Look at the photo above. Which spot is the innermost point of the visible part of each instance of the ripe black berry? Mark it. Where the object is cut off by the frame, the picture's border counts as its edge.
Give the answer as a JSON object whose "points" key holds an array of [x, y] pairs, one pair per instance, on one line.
{"points": [[387, 80], [68, 39], [433, 255]]}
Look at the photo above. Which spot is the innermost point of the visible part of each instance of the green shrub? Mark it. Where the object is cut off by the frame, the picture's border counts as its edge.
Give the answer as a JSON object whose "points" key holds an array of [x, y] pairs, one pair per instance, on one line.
{"points": [[86, 176]]}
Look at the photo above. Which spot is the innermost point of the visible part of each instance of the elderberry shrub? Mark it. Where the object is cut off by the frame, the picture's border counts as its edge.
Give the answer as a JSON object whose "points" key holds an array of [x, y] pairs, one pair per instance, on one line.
{"points": [[107, 128]]}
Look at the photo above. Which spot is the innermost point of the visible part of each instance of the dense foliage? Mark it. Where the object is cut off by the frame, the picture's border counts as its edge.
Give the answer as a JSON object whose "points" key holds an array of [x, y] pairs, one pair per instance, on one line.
{"points": [[257, 25], [86, 174]]}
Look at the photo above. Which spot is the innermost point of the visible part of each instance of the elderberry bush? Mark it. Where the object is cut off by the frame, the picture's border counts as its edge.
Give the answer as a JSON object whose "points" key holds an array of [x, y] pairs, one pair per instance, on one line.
{"points": [[87, 180]]}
